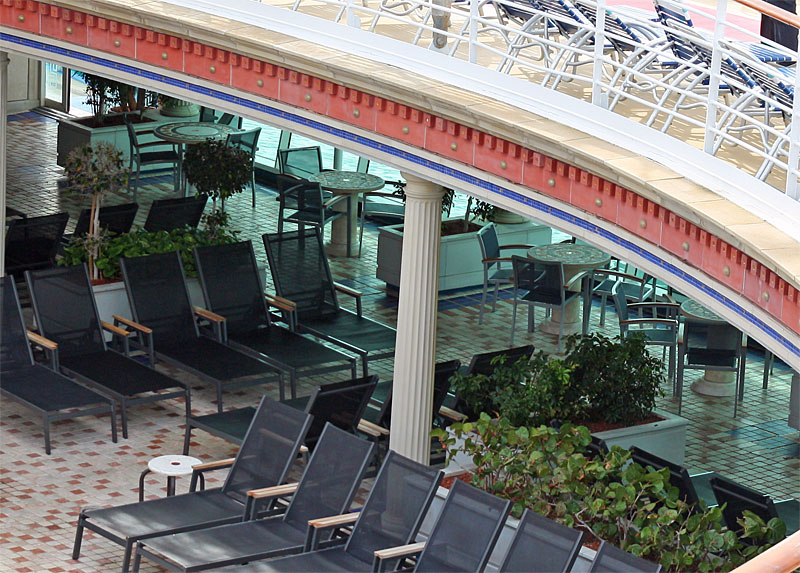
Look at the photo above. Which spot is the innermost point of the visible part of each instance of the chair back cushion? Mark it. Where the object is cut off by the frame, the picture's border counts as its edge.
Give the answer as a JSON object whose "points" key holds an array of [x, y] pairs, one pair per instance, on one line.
{"points": [[612, 558], [395, 507], [15, 352], [737, 498], [300, 271], [246, 140], [541, 545], [716, 345], [65, 309], [301, 161], [268, 450], [158, 297], [465, 532], [32, 243], [169, 214], [544, 281], [490, 244], [341, 404], [331, 478], [231, 285], [115, 219]]}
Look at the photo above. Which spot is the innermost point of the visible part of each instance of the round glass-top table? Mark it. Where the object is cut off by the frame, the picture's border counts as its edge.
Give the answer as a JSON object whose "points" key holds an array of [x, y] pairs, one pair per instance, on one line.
{"points": [[576, 259], [350, 183], [183, 133]]}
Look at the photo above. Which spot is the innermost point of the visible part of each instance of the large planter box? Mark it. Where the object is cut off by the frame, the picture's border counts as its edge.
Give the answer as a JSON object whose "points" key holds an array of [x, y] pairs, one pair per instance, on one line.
{"points": [[665, 438], [72, 135], [582, 564], [460, 256]]}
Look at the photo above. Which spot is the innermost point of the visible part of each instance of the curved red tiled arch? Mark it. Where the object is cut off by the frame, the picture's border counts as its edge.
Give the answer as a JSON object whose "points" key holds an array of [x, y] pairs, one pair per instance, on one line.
{"points": [[608, 201]]}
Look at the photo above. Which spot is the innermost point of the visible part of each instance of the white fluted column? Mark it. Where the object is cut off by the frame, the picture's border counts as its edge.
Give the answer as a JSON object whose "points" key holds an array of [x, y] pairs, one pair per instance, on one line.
{"points": [[415, 353], [3, 165]]}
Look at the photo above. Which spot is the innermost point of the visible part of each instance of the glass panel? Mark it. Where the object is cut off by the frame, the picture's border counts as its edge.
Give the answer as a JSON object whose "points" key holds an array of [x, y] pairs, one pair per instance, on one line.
{"points": [[267, 152], [77, 95], [53, 83]]}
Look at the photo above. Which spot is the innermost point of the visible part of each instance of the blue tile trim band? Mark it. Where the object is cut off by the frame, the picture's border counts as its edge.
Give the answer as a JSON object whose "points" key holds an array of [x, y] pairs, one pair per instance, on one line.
{"points": [[426, 163]]}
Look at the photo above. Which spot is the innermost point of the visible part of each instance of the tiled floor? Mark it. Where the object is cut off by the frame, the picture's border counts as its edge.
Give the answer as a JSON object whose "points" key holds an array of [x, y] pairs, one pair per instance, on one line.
{"points": [[42, 495]]}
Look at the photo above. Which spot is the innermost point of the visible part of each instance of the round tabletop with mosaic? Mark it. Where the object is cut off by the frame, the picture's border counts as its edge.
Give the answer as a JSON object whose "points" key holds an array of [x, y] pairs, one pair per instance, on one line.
{"points": [[694, 310], [347, 181], [191, 132], [569, 254]]}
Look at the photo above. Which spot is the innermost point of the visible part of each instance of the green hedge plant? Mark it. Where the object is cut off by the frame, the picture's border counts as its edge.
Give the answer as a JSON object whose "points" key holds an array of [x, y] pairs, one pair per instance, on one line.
{"points": [[608, 496]]}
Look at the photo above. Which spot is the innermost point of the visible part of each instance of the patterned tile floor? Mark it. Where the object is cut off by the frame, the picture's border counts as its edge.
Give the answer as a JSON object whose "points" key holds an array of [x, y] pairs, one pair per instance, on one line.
{"points": [[41, 495]]}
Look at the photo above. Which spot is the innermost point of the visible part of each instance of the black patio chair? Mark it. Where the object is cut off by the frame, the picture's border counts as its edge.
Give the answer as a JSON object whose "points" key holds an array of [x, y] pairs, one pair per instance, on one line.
{"points": [[328, 486], [678, 475], [300, 161], [309, 206], [144, 154], [169, 214], [736, 498], [45, 391], [247, 141], [611, 559], [66, 313], [159, 300], [115, 219], [340, 403], [541, 545], [301, 275], [392, 515], [463, 536], [32, 243], [232, 288], [267, 453]]}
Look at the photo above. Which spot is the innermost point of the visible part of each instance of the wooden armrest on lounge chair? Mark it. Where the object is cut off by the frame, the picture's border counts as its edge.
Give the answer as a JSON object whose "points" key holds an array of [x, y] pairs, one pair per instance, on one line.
{"points": [[115, 329], [42, 341], [280, 302], [350, 292], [452, 414], [371, 429], [212, 316], [400, 551], [215, 465], [333, 520], [131, 324], [274, 491]]}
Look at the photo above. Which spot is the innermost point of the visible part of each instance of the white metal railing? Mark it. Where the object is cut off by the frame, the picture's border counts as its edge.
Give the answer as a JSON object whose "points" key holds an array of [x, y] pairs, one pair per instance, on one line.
{"points": [[695, 73]]}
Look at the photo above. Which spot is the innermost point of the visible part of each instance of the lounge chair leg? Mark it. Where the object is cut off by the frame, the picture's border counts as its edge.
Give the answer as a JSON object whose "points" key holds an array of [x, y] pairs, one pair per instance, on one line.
{"points": [[187, 437], [76, 547], [292, 383], [47, 434], [219, 398], [137, 560], [353, 368], [124, 407], [113, 422], [364, 365], [126, 559], [483, 302]]}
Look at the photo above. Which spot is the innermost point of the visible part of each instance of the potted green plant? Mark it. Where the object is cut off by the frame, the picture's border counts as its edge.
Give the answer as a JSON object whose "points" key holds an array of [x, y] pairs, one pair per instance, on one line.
{"points": [[217, 170], [460, 255], [95, 170], [608, 497], [610, 385]]}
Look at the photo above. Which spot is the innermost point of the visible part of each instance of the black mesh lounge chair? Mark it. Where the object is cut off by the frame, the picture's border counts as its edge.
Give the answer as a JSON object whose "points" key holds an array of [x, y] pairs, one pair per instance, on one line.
{"points": [[232, 288], [160, 301], [49, 393], [678, 475], [66, 313], [301, 274], [391, 516], [541, 545], [328, 485], [32, 243], [169, 214], [267, 453], [116, 219], [611, 559], [341, 404], [738, 498], [464, 534]]}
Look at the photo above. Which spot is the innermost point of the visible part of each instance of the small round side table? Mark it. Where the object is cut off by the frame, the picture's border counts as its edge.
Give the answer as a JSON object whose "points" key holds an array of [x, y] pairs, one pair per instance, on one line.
{"points": [[171, 466]]}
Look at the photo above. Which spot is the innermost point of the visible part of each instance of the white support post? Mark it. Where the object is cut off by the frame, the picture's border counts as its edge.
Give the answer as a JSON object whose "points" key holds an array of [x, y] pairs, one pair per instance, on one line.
{"points": [[714, 81], [415, 351], [794, 141], [473, 31], [441, 21], [599, 45], [3, 149]]}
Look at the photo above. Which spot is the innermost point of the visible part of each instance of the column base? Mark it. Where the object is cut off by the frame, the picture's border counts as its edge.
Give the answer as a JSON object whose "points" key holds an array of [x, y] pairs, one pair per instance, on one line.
{"points": [[715, 383]]}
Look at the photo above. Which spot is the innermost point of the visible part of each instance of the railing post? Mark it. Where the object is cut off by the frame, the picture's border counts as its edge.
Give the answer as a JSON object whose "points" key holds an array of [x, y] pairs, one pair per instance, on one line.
{"points": [[473, 31], [441, 21], [713, 86], [351, 17], [598, 96], [794, 137]]}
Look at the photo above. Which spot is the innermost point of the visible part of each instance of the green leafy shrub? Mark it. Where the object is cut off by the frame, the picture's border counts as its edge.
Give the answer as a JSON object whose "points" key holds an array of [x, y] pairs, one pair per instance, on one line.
{"points": [[609, 497], [613, 380], [139, 242]]}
